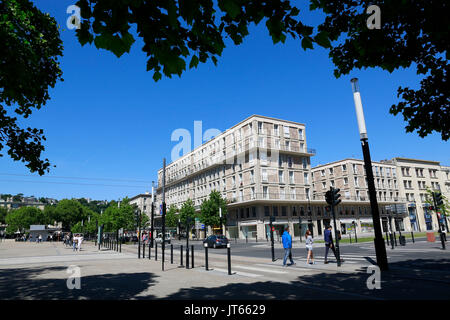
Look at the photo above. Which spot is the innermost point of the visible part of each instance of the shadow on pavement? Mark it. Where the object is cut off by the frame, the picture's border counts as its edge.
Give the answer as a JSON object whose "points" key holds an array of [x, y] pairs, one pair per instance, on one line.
{"points": [[396, 284], [21, 283]]}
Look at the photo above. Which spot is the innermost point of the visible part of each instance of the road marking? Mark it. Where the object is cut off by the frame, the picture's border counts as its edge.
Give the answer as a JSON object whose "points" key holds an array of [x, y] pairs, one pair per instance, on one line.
{"points": [[251, 275], [258, 269]]}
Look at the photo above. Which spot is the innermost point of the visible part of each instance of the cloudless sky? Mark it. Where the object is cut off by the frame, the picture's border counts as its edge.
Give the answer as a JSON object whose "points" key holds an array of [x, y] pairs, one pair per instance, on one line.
{"points": [[109, 124]]}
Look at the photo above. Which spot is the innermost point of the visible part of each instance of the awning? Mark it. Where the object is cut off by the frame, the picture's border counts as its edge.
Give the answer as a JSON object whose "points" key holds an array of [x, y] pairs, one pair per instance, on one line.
{"points": [[347, 220], [366, 220], [248, 223]]}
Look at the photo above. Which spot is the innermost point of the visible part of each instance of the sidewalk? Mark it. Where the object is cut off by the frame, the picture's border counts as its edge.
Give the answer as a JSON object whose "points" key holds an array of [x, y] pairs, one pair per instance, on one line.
{"points": [[111, 275]]}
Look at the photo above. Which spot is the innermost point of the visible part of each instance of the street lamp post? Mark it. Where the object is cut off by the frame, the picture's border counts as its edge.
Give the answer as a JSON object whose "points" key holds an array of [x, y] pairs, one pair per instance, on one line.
{"points": [[138, 218], [380, 248], [152, 214]]}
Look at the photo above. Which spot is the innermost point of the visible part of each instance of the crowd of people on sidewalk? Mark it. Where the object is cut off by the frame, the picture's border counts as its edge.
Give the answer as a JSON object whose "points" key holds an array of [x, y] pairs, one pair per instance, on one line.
{"points": [[74, 241], [287, 245]]}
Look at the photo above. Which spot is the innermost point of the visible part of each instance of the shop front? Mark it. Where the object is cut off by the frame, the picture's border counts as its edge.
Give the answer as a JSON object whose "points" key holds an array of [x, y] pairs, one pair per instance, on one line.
{"points": [[347, 226], [413, 217], [366, 225]]}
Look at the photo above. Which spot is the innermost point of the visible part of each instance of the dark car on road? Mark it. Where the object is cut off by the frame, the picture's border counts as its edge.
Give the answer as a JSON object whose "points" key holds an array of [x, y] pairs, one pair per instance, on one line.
{"points": [[216, 241]]}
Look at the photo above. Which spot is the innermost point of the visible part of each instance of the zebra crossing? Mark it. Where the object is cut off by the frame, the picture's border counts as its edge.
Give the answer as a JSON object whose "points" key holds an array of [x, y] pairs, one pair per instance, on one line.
{"points": [[276, 269]]}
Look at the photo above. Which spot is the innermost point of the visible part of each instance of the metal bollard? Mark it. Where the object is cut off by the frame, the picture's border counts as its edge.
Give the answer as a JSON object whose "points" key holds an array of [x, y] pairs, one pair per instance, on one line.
{"points": [[187, 257], [395, 239], [412, 236], [350, 238], [229, 258], [181, 255], [391, 236], [149, 251], [246, 239], [143, 250], [171, 254], [192, 256], [156, 251], [206, 256], [256, 238]]}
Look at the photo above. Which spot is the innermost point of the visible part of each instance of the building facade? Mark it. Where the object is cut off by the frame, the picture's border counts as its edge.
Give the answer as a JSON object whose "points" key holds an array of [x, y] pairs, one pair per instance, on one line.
{"points": [[261, 166], [415, 176], [349, 175]]}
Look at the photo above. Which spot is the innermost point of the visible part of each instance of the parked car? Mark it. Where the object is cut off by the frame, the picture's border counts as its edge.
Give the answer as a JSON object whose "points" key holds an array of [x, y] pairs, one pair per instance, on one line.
{"points": [[134, 239], [216, 241], [167, 238]]}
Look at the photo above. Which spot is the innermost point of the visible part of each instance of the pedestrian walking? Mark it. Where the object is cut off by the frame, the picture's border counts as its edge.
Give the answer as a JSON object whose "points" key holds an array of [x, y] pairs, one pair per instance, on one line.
{"points": [[287, 245], [309, 247], [40, 238], [80, 240], [329, 244], [75, 242]]}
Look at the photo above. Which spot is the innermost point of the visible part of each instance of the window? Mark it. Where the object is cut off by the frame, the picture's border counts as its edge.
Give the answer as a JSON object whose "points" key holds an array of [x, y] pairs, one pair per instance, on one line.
{"points": [[275, 130], [264, 175], [277, 143], [253, 193], [233, 181], [345, 181], [330, 171], [322, 173], [300, 134], [305, 163], [275, 211], [302, 147], [307, 193], [344, 167], [293, 196], [263, 155], [306, 178], [324, 185], [283, 211], [260, 127], [282, 193], [286, 132], [265, 193], [280, 176], [355, 169], [356, 182], [288, 145], [291, 177], [251, 157], [266, 211], [332, 183], [290, 162], [252, 176]]}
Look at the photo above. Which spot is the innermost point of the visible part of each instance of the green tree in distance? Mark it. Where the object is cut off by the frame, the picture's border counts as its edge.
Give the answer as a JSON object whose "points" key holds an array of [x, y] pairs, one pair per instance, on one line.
{"points": [[172, 216], [444, 209], [210, 209], [3, 213], [187, 211], [70, 212], [21, 219]]}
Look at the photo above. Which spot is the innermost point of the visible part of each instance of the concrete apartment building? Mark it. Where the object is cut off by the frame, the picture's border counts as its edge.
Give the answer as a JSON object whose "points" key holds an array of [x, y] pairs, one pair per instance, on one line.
{"points": [[144, 202], [261, 166], [414, 177], [349, 176]]}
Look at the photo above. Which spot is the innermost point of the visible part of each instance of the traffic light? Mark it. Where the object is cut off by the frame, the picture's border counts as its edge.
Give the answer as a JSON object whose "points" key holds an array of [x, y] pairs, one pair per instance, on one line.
{"points": [[336, 196], [332, 196], [439, 200]]}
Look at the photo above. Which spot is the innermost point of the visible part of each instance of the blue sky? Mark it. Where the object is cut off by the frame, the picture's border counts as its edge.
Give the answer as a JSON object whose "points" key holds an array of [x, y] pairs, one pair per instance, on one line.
{"points": [[109, 124]]}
